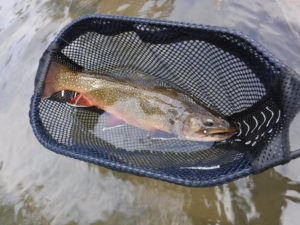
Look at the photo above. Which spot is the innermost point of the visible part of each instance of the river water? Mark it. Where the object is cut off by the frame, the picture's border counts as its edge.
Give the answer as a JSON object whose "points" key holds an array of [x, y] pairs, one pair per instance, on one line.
{"points": [[40, 187]]}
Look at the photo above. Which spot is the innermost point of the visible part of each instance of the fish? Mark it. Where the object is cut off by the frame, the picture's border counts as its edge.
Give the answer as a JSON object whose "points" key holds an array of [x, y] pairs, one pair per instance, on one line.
{"points": [[152, 108]]}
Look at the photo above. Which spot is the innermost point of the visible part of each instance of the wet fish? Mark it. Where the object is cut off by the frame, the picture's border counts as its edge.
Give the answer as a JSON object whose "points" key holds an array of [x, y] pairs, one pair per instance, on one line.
{"points": [[153, 108]]}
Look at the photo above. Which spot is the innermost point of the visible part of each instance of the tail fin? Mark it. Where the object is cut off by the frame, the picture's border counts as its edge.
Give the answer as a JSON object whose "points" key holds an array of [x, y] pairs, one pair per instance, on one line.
{"points": [[49, 84]]}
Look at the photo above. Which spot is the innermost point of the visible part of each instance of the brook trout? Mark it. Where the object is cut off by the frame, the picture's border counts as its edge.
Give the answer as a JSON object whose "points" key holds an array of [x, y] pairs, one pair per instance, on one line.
{"points": [[149, 108]]}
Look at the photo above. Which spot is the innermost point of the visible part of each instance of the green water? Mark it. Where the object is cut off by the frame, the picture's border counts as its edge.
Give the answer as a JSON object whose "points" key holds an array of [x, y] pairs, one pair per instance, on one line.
{"points": [[40, 187]]}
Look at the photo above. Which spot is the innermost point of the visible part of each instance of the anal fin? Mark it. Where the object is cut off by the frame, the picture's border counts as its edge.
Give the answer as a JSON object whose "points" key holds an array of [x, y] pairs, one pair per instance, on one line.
{"points": [[80, 101]]}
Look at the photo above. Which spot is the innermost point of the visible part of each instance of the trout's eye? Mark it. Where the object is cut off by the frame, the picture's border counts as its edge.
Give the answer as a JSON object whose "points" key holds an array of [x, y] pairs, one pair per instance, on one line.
{"points": [[209, 123]]}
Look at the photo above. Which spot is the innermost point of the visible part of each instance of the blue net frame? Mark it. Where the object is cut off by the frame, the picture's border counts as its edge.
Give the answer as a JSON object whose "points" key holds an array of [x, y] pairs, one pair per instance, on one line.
{"points": [[226, 70]]}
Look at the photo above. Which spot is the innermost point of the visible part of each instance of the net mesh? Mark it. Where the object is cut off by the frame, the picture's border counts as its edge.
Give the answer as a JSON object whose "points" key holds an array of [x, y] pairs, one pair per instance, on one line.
{"points": [[220, 69]]}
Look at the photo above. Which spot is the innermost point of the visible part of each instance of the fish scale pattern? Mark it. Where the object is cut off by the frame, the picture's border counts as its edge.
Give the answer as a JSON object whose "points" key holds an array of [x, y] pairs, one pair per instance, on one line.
{"points": [[225, 70]]}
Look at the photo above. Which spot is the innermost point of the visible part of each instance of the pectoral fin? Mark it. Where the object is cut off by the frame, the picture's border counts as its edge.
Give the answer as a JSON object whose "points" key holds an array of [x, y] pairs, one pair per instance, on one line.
{"points": [[162, 135]]}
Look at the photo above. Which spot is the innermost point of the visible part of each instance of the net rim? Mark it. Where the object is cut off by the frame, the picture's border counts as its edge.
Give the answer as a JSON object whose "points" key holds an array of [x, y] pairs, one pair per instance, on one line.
{"points": [[256, 45]]}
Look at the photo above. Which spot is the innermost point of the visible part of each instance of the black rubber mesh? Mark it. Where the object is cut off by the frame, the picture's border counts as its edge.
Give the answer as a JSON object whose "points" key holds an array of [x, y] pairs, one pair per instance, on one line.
{"points": [[220, 80], [219, 69], [217, 78]]}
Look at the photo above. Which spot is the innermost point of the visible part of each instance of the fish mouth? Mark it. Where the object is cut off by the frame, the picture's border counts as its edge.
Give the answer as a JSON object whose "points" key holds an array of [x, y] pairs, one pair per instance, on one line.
{"points": [[219, 134], [231, 130]]}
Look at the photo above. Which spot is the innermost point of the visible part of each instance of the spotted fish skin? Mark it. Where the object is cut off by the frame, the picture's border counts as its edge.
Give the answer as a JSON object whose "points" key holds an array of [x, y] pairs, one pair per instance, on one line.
{"points": [[149, 108]]}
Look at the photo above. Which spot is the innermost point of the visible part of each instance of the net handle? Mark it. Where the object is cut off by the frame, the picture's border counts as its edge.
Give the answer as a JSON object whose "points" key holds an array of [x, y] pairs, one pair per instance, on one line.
{"points": [[295, 154]]}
